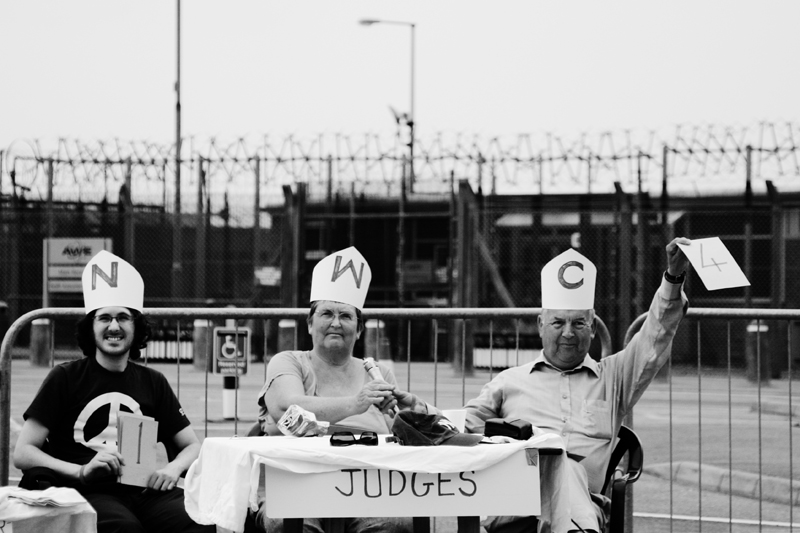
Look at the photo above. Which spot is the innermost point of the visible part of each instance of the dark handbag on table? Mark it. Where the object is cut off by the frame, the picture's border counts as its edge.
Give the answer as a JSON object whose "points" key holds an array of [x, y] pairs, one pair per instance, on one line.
{"points": [[516, 429]]}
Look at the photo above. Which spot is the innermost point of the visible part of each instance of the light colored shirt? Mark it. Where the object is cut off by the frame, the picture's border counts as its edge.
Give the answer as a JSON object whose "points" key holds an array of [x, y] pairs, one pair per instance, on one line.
{"points": [[297, 363], [585, 405]]}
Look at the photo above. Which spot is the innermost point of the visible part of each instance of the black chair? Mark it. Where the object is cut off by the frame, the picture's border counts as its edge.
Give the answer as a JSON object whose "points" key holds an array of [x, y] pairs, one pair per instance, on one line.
{"points": [[255, 430], [41, 477], [618, 477]]}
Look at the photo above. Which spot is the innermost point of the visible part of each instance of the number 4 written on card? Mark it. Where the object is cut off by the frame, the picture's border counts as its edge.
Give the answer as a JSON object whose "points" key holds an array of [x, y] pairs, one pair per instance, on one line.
{"points": [[714, 264]]}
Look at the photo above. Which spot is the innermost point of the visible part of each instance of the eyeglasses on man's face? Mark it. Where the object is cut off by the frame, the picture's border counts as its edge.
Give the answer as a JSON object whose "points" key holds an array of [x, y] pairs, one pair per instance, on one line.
{"points": [[327, 316], [346, 438], [122, 319]]}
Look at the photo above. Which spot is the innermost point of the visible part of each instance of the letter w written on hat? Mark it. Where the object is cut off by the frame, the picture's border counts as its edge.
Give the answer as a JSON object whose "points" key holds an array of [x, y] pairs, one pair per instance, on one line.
{"points": [[343, 276], [337, 271]]}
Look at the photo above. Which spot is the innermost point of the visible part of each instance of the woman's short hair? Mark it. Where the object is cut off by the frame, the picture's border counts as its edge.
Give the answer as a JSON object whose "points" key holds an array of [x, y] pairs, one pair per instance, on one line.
{"points": [[314, 306], [142, 332]]}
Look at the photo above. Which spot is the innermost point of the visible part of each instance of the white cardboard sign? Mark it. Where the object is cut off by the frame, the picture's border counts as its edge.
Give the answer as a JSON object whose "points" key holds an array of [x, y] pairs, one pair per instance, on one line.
{"points": [[510, 487], [137, 436], [714, 264]]}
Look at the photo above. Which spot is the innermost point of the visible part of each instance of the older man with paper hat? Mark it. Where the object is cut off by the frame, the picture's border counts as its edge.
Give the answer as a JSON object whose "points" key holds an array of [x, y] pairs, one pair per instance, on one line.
{"points": [[328, 380], [566, 392], [73, 427]]}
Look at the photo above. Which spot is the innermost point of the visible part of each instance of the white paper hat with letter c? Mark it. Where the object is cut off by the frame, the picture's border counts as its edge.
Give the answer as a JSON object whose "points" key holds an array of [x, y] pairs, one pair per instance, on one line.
{"points": [[343, 276], [110, 281], [568, 282]]}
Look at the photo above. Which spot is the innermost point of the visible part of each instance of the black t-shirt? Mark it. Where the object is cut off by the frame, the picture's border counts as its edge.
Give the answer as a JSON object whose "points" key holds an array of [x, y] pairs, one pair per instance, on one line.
{"points": [[78, 403]]}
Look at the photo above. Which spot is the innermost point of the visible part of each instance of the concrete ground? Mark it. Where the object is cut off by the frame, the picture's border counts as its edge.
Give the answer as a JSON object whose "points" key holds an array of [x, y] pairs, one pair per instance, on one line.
{"points": [[733, 436]]}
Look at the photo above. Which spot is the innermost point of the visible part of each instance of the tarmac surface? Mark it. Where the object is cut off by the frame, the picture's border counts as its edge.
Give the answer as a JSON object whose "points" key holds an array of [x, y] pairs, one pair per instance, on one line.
{"points": [[682, 425]]}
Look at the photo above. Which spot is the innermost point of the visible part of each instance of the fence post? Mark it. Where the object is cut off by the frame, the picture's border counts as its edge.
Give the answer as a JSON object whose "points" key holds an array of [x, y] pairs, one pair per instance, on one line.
{"points": [[625, 245], [41, 341], [200, 237], [201, 338], [287, 335], [757, 351], [4, 319], [777, 355], [462, 341], [376, 343]]}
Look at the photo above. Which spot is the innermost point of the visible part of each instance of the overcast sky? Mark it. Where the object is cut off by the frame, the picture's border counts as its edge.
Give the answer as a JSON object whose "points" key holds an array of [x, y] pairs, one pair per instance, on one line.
{"points": [[99, 69]]}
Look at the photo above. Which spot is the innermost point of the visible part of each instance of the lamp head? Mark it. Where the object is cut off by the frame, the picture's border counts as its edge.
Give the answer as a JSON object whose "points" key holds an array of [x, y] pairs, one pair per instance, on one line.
{"points": [[368, 22]]}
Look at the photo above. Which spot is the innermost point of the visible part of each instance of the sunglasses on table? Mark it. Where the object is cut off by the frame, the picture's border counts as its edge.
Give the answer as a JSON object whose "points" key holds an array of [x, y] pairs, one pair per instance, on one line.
{"points": [[346, 438]]}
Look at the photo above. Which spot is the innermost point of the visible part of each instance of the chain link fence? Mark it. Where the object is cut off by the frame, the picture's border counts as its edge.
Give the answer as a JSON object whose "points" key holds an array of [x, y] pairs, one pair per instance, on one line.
{"points": [[250, 221]]}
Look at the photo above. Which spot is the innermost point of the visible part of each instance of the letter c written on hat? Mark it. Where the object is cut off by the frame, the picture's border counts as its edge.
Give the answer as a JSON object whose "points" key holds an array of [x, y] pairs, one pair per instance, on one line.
{"points": [[564, 283]]}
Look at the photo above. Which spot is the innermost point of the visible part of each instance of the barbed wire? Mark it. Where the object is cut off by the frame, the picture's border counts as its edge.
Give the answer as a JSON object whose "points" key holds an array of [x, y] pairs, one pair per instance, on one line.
{"points": [[707, 159]]}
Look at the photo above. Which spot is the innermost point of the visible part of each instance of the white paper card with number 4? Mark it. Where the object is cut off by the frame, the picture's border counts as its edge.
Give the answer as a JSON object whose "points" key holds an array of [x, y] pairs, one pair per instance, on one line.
{"points": [[137, 436], [714, 264]]}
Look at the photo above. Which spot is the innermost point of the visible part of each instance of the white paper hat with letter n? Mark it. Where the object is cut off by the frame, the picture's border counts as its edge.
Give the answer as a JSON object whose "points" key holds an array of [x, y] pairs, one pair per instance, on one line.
{"points": [[343, 277], [568, 282], [110, 281]]}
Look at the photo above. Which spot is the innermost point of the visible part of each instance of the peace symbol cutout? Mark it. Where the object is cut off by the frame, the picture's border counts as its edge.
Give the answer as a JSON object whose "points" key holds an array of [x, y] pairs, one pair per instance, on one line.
{"points": [[96, 425]]}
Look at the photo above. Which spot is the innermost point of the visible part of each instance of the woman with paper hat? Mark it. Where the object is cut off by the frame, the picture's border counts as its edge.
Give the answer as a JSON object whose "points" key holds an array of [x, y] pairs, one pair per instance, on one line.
{"points": [[73, 427], [566, 392], [328, 380]]}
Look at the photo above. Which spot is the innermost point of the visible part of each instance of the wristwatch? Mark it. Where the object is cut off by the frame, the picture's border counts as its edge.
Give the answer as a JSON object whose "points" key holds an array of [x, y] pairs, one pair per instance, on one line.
{"points": [[675, 279]]}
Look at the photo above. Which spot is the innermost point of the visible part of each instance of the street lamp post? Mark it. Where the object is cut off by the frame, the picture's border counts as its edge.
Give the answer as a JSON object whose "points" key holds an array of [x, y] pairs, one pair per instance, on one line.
{"points": [[411, 116], [401, 215], [177, 247]]}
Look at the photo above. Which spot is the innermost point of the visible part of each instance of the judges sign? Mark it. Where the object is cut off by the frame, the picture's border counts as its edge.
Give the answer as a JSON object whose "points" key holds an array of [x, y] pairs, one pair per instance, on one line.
{"points": [[510, 487]]}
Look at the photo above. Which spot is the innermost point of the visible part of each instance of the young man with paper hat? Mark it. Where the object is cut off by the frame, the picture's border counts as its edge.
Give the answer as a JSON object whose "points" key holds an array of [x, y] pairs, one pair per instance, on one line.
{"points": [[566, 392], [72, 427], [328, 380]]}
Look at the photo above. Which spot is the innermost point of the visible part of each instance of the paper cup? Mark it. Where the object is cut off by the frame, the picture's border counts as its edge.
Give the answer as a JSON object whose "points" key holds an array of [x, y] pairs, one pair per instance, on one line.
{"points": [[457, 416]]}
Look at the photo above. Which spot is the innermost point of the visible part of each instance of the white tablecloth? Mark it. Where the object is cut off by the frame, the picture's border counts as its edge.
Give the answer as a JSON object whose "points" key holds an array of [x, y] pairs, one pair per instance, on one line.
{"points": [[76, 516], [223, 482]]}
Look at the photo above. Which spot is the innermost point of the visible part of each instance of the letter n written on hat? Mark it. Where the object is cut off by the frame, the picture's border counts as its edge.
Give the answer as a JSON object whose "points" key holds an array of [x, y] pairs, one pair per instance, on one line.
{"points": [[568, 282], [110, 281], [343, 276]]}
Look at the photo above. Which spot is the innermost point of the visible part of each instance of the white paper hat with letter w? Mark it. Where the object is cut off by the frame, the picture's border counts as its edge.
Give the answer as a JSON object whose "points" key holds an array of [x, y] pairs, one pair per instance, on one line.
{"points": [[343, 276], [568, 282], [110, 281]]}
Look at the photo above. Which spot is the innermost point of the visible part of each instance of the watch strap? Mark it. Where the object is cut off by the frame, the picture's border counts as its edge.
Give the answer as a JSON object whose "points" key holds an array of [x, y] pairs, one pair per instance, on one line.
{"points": [[675, 279]]}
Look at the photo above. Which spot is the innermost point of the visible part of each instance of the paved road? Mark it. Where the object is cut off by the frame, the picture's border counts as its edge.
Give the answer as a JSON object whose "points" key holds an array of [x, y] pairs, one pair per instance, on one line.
{"points": [[716, 441]]}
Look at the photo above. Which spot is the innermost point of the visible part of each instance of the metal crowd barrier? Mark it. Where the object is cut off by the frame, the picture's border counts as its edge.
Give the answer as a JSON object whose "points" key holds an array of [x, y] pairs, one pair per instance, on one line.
{"points": [[694, 416], [238, 315], [731, 430]]}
